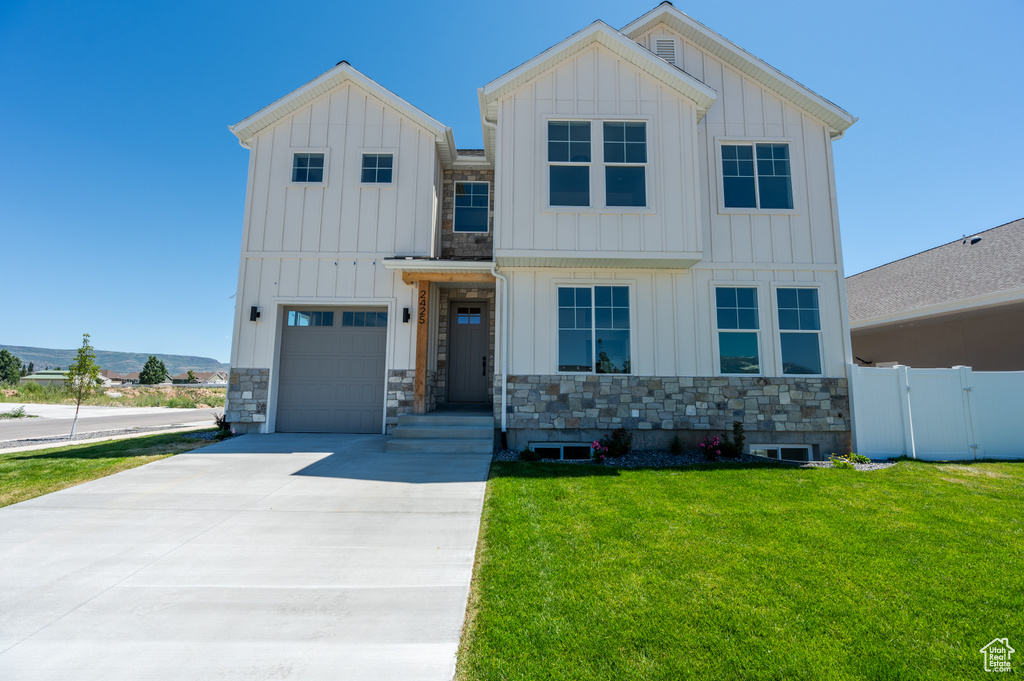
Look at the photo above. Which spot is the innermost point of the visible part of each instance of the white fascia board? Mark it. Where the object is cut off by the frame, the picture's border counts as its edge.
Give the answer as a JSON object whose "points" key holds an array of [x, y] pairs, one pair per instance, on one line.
{"points": [[421, 265], [1015, 295], [603, 34], [832, 115], [245, 130]]}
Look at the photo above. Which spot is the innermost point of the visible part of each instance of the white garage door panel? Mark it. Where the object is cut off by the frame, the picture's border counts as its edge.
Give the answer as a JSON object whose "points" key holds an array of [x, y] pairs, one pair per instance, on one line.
{"points": [[331, 378]]}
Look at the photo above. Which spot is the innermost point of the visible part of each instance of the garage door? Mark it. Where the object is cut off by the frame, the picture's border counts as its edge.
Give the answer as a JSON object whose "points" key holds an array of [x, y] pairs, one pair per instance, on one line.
{"points": [[332, 371]]}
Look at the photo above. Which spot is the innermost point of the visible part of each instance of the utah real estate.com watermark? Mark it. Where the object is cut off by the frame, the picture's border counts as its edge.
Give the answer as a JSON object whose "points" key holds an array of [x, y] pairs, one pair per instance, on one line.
{"points": [[997, 655]]}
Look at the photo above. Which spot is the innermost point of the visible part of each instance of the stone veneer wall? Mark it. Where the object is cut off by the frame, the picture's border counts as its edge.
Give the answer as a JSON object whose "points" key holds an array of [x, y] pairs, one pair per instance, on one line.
{"points": [[773, 410], [462, 245], [447, 295], [246, 407], [401, 392]]}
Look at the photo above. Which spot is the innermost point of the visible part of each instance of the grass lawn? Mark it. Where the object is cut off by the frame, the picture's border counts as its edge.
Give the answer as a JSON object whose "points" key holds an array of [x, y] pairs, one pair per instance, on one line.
{"points": [[745, 572], [24, 475]]}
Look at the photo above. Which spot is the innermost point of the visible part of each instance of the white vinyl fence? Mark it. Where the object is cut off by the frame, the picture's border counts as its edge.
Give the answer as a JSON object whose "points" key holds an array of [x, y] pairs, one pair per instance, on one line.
{"points": [[937, 414]]}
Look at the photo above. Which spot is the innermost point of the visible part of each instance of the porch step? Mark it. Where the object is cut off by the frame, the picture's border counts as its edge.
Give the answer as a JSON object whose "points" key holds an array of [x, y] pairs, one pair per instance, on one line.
{"points": [[447, 432]]}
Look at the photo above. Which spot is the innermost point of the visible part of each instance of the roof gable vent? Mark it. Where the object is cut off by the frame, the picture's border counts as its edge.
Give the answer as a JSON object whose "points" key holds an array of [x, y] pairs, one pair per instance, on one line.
{"points": [[666, 49]]}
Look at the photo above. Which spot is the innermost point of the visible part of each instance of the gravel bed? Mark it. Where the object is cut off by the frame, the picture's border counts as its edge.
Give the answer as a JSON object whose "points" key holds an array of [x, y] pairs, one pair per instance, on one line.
{"points": [[664, 459], [63, 439]]}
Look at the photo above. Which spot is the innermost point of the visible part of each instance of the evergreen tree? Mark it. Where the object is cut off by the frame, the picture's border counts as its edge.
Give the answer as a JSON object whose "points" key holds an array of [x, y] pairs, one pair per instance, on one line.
{"points": [[10, 367], [31, 368], [153, 372], [82, 377]]}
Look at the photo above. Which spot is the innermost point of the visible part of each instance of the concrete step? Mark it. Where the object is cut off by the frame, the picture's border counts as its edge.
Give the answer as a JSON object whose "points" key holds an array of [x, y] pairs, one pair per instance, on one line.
{"points": [[447, 419], [446, 446], [432, 432]]}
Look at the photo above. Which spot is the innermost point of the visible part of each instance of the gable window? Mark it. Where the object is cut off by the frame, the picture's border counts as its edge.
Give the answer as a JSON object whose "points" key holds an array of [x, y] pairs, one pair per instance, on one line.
{"points": [[593, 329], [625, 158], [377, 168], [472, 204], [569, 163], [738, 329], [799, 330], [307, 167], [757, 176]]}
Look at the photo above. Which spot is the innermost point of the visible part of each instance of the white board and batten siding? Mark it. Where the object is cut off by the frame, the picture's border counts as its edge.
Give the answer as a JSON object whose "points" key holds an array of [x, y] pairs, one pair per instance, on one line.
{"points": [[937, 414], [324, 243]]}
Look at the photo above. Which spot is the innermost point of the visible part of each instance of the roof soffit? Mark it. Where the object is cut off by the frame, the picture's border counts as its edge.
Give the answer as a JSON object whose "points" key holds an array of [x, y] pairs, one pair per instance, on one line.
{"points": [[341, 74], [832, 115]]}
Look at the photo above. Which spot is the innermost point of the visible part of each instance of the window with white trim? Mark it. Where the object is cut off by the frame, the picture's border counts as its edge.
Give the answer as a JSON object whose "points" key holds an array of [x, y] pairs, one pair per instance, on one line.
{"points": [[589, 318], [307, 167], [799, 330], [738, 330], [625, 163], [472, 205], [569, 163], [783, 452], [377, 168], [756, 175], [621, 152]]}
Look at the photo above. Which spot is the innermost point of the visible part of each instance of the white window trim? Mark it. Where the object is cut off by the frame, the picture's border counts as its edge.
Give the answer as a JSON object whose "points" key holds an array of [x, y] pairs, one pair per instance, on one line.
{"points": [[762, 356], [394, 167], [454, 212], [597, 165], [795, 176], [590, 283], [326, 151], [808, 448], [778, 330]]}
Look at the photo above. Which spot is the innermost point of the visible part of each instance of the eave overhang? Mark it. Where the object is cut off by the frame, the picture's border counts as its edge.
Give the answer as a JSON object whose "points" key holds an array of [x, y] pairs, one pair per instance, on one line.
{"points": [[950, 308], [342, 73], [626, 260], [836, 118]]}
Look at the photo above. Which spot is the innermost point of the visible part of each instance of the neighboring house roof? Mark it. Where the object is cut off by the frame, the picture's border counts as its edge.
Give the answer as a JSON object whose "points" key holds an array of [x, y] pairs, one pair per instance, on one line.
{"points": [[953, 277], [107, 373], [201, 376], [343, 72], [603, 34], [133, 376], [744, 62]]}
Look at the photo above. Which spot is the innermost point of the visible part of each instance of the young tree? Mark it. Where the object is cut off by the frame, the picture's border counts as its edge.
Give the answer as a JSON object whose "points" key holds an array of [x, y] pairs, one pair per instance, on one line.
{"points": [[192, 377], [82, 377], [10, 367], [154, 371]]}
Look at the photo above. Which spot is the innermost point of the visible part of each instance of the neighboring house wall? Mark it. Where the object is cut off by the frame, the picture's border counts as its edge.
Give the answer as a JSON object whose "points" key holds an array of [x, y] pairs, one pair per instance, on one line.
{"points": [[988, 340]]}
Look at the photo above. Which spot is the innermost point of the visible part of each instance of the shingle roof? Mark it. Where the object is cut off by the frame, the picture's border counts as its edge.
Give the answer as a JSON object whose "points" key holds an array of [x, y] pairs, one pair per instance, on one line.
{"points": [[955, 271]]}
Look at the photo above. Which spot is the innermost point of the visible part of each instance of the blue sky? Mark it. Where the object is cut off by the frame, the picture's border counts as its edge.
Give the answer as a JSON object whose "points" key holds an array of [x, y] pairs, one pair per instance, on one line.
{"points": [[121, 188]]}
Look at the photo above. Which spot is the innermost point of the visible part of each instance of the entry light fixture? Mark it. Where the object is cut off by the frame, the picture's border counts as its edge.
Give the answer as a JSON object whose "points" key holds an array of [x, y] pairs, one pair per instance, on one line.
{"points": [[254, 313], [405, 315]]}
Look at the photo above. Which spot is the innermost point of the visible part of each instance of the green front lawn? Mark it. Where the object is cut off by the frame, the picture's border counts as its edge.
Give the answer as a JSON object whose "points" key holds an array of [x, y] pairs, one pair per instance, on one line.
{"points": [[24, 475], [746, 572]]}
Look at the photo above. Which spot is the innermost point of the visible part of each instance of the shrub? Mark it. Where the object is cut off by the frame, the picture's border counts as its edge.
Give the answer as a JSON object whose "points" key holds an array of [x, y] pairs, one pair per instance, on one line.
{"points": [[859, 458], [676, 445], [598, 452], [528, 454], [618, 443], [844, 461], [711, 447]]}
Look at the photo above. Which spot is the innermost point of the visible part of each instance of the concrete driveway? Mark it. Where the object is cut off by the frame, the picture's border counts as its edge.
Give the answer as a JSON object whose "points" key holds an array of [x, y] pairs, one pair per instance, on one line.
{"points": [[263, 557]]}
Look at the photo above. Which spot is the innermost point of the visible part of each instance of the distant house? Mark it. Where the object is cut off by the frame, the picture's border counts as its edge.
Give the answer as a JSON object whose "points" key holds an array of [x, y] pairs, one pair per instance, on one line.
{"points": [[110, 378], [131, 378], [958, 304], [204, 378], [46, 377]]}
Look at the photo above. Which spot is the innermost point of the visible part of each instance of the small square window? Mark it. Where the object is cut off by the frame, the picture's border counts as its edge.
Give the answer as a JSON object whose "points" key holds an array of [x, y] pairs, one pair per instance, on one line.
{"points": [[377, 168], [757, 176], [307, 167]]}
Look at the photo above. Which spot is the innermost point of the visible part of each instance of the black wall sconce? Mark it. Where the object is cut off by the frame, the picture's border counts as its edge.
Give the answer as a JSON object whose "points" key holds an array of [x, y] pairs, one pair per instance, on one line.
{"points": [[254, 314], [405, 315]]}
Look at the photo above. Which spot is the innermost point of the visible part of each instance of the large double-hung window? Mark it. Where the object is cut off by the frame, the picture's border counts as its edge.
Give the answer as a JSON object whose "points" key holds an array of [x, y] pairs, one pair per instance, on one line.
{"points": [[799, 330], [738, 330], [575, 160], [593, 329]]}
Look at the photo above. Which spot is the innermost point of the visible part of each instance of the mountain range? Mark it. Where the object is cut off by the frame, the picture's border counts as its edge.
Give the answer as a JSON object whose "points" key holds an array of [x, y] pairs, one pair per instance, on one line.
{"points": [[121, 362]]}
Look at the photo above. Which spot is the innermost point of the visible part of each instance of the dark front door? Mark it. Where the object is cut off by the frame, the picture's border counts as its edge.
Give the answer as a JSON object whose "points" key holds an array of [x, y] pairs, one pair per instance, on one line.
{"points": [[468, 331]]}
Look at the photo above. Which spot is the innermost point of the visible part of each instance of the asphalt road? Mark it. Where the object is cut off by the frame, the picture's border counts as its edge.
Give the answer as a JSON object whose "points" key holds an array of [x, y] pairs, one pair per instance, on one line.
{"points": [[55, 419]]}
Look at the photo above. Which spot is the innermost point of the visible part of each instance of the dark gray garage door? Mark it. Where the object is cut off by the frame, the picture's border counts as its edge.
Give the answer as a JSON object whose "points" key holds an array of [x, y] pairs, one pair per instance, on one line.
{"points": [[332, 370]]}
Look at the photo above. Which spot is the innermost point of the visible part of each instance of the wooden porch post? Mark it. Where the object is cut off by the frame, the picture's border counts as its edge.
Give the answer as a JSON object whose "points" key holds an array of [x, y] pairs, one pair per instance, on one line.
{"points": [[419, 404]]}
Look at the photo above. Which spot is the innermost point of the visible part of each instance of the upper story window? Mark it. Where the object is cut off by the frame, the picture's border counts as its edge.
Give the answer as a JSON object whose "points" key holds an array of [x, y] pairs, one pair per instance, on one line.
{"points": [[757, 175], [799, 330], [472, 205], [569, 162], [621, 151], [738, 330], [589, 318], [377, 168], [307, 167]]}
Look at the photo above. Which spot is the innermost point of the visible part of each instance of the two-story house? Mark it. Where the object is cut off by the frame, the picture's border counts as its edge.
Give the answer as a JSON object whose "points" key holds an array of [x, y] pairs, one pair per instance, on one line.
{"points": [[649, 239]]}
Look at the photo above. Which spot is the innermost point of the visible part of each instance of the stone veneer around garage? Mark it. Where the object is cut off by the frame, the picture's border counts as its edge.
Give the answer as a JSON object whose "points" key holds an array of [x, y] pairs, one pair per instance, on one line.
{"points": [[246, 406], [575, 408]]}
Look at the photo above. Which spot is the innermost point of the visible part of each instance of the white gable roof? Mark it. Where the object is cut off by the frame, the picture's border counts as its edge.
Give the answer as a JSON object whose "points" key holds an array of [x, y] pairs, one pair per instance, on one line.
{"points": [[602, 34], [741, 60], [343, 72]]}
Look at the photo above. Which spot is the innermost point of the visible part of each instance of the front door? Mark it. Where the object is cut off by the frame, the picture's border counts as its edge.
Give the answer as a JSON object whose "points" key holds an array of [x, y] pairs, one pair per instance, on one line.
{"points": [[468, 331]]}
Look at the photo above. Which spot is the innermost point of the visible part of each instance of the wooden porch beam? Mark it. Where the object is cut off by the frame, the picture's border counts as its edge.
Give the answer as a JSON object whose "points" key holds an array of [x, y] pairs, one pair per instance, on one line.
{"points": [[480, 277], [419, 399]]}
